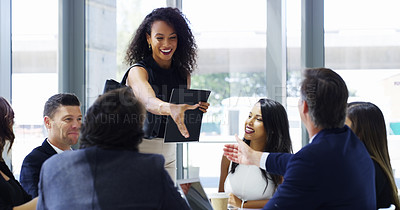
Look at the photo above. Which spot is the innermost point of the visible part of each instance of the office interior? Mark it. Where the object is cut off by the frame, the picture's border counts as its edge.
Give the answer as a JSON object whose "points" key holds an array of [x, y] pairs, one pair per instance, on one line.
{"points": [[246, 50]]}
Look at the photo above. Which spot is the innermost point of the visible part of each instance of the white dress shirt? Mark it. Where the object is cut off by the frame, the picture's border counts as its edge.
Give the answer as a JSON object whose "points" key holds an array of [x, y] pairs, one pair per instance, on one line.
{"points": [[55, 148]]}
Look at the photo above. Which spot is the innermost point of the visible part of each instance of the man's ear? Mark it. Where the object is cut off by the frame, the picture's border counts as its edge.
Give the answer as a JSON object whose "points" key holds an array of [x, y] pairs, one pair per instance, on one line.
{"points": [[47, 122], [305, 107]]}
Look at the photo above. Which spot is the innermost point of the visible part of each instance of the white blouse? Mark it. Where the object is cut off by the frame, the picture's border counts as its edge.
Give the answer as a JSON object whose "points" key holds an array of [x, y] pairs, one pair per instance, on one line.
{"points": [[248, 183]]}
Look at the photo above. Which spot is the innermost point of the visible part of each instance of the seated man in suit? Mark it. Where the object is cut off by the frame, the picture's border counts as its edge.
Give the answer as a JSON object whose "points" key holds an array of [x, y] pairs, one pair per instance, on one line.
{"points": [[108, 171], [62, 119], [334, 171]]}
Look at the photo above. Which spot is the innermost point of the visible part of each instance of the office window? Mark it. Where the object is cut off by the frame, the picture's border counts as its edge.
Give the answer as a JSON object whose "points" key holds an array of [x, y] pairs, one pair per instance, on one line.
{"points": [[362, 43], [109, 28], [129, 16], [294, 70], [34, 71], [231, 37]]}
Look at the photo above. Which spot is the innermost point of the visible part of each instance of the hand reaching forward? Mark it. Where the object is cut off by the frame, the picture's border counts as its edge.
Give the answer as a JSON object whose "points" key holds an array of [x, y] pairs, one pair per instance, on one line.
{"points": [[241, 153], [178, 115], [203, 106]]}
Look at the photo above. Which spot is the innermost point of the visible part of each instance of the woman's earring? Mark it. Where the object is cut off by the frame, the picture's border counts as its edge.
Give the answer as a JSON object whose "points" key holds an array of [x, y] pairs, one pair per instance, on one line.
{"points": [[149, 46]]}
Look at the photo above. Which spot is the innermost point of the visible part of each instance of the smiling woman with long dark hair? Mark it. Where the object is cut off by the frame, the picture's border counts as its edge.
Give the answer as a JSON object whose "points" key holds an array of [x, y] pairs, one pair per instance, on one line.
{"points": [[266, 130]]}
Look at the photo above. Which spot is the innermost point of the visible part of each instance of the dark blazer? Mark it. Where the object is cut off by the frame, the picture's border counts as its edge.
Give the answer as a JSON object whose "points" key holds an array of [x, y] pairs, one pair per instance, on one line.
{"points": [[335, 171], [30, 170], [95, 178]]}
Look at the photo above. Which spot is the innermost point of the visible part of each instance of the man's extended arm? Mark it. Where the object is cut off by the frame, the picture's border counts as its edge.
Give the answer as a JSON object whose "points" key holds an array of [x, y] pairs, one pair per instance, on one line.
{"points": [[241, 153]]}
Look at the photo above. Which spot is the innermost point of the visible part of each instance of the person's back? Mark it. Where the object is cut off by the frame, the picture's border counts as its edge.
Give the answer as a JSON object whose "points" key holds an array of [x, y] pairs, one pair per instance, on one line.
{"points": [[108, 172], [368, 123], [99, 178], [334, 172]]}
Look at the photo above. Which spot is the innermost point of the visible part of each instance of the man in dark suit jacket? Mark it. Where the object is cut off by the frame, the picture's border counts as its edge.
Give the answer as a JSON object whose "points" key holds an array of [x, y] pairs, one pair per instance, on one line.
{"points": [[62, 119], [334, 171]]}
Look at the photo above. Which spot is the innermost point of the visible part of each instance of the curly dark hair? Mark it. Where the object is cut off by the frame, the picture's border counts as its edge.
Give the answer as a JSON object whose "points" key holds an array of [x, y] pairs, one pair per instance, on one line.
{"points": [[276, 125], [114, 121], [186, 53], [6, 125]]}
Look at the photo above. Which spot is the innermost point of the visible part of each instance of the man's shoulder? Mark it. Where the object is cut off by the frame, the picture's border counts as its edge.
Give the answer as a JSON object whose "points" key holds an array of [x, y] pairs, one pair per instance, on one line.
{"points": [[91, 155], [338, 143], [139, 158], [64, 159], [41, 152], [343, 133]]}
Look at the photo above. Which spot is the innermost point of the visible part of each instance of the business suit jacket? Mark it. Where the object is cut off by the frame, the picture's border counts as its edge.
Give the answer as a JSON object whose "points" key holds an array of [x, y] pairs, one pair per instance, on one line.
{"points": [[334, 171], [96, 178], [30, 170]]}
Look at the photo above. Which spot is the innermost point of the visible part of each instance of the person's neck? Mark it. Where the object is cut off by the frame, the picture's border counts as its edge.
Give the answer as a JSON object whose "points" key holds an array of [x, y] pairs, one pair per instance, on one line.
{"points": [[61, 147], [257, 145], [163, 63], [313, 130]]}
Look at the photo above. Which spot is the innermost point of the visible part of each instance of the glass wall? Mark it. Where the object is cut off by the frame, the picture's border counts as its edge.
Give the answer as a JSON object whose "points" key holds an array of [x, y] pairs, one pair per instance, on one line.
{"points": [[231, 37], [127, 23], [232, 42], [109, 28], [362, 43], [294, 70], [34, 71]]}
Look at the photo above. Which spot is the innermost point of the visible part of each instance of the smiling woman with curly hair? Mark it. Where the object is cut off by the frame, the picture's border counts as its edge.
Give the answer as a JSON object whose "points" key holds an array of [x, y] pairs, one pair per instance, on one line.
{"points": [[162, 55]]}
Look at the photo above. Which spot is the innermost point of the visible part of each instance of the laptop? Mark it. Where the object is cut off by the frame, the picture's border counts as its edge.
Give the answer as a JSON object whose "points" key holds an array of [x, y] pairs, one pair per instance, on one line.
{"points": [[194, 194]]}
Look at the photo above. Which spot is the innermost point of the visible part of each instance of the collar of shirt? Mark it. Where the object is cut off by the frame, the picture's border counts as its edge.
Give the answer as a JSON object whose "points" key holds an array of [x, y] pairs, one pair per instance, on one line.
{"points": [[55, 148], [312, 138]]}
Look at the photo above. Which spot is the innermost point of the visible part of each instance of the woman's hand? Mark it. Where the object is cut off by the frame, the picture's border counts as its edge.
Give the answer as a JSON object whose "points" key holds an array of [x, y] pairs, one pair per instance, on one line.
{"points": [[203, 106], [234, 200], [178, 115], [185, 187], [253, 204]]}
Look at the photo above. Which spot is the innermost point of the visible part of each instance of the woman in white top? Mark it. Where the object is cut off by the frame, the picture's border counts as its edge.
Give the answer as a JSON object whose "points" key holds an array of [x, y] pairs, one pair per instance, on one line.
{"points": [[267, 130]]}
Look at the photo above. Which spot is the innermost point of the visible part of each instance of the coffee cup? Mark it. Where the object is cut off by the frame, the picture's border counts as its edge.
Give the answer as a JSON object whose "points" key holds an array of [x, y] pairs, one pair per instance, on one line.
{"points": [[219, 201]]}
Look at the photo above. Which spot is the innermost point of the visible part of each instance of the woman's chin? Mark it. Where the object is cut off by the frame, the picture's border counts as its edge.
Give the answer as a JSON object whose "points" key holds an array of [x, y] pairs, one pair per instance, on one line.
{"points": [[247, 136]]}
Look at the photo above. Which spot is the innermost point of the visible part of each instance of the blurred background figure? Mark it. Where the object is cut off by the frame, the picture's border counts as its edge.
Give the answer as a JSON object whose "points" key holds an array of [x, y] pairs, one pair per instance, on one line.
{"points": [[367, 122], [12, 195]]}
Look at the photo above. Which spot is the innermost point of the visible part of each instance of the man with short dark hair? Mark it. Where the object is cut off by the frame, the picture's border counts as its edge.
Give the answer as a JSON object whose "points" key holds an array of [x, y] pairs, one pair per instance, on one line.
{"points": [[62, 119], [335, 170]]}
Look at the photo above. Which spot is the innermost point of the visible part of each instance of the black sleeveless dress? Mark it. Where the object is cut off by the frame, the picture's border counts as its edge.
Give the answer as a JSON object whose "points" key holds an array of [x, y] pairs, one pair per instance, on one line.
{"points": [[162, 81], [11, 192]]}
